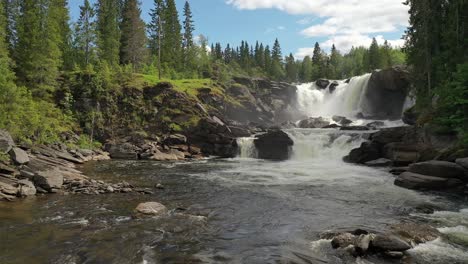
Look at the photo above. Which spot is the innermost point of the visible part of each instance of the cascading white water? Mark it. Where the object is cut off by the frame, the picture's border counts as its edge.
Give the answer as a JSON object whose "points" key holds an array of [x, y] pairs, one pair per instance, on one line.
{"points": [[247, 147], [347, 99]]}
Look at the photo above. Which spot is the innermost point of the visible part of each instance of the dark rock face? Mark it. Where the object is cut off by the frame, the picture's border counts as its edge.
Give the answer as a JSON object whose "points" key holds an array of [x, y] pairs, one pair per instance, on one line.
{"points": [[442, 169], [389, 243], [355, 128], [463, 162], [314, 122], [322, 83], [386, 93], [214, 139], [379, 163], [125, 150], [333, 86], [367, 152], [342, 120], [274, 145], [415, 181]]}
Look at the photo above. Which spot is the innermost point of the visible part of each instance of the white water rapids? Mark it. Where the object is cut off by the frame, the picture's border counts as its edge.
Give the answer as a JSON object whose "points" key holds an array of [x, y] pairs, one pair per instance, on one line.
{"points": [[317, 160]]}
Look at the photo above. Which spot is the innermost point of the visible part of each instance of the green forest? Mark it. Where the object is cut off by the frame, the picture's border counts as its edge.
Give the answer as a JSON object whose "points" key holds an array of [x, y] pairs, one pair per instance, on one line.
{"points": [[44, 56]]}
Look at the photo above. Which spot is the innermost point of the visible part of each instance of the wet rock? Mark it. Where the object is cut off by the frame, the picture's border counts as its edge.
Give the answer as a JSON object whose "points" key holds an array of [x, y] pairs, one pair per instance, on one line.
{"points": [[322, 83], [394, 254], [415, 181], [178, 154], [415, 233], [398, 170], [355, 128], [403, 154], [48, 180], [332, 126], [333, 87], [362, 243], [366, 152], [151, 209], [379, 163], [442, 169], [463, 162], [160, 156], [343, 240], [389, 243], [314, 122], [19, 156], [6, 141], [375, 124], [342, 120], [274, 145]]}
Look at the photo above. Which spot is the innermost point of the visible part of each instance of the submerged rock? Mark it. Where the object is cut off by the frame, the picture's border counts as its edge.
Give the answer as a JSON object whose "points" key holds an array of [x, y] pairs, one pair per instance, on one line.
{"points": [[342, 120], [314, 122], [274, 145], [389, 243], [366, 152], [343, 240], [150, 209]]}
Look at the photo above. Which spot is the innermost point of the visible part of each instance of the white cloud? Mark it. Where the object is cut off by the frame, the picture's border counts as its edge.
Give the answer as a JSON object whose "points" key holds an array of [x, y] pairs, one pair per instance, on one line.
{"points": [[344, 22]]}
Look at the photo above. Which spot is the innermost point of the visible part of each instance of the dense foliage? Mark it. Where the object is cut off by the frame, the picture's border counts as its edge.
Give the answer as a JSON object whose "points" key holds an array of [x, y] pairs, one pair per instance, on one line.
{"points": [[437, 48]]}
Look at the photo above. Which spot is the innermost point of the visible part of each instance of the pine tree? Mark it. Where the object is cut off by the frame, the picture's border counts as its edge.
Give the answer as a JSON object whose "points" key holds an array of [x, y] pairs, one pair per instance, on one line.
{"points": [[188, 45], [306, 69], [6, 75], [335, 60], [108, 32], [133, 41], [276, 71], [12, 13], [318, 63], [268, 64], [386, 54], [172, 37], [291, 69], [85, 35]]}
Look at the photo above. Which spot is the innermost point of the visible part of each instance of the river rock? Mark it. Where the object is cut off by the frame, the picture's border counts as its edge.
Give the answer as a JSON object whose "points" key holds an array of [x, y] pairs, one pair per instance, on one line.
{"points": [[322, 83], [415, 181], [26, 188], [389, 243], [6, 141], [177, 139], [49, 179], [274, 145], [355, 128], [415, 233], [342, 120], [366, 152], [19, 156], [160, 156], [442, 169], [362, 243], [122, 151], [463, 162], [314, 122], [379, 163], [397, 134], [403, 154], [375, 124], [333, 86], [343, 240], [150, 209]]}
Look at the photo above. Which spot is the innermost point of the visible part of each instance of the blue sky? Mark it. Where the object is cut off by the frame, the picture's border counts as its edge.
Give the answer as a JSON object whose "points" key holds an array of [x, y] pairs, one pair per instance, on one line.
{"points": [[298, 24]]}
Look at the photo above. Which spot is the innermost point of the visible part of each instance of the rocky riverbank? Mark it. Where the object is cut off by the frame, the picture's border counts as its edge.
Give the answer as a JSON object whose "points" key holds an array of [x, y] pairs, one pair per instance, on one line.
{"points": [[27, 171], [422, 160]]}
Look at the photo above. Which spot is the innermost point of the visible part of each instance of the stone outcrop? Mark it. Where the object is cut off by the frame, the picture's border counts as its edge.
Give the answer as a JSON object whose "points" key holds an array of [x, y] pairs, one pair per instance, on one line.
{"points": [[274, 145], [387, 92], [314, 122], [6, 142]]}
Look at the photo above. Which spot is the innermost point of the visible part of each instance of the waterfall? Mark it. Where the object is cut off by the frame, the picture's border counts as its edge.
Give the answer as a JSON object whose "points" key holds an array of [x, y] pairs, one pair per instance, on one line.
{"points": [[311, 144], [347, 99]]}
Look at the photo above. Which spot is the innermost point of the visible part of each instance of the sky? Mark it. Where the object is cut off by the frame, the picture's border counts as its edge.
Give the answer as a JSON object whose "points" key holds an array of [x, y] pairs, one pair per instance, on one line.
{"points": [[297, 24]]}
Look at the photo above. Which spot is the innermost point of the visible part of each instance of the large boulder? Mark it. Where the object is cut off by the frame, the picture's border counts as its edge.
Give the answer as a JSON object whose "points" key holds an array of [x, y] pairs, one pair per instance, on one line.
{"points": [[49, 180], [19, 156], [322, 83], [125, 150], [463, 162], [442, 169], [366, 152], [274, 145], [26, 188], [403, 154], [397, 134], [386, 93], [6, 141], [416, 181], [342, 120], [314, 122], [175, 139]]}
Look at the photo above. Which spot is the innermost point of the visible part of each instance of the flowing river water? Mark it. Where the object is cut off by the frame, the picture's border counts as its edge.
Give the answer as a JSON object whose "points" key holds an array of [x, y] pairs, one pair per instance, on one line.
{"points": [[240, 210]]}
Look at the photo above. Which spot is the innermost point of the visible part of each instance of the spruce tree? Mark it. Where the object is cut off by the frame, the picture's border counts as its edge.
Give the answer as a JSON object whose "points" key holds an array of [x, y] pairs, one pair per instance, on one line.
{"points": [[39, 54], [85, 35], [108, 32], [335, 60], [172, 37], [188, 45], [375, 59], [6, 75], [133, 40], [291, 69], [12, 13], [155, 30], [276, 70], [318, 63]]}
